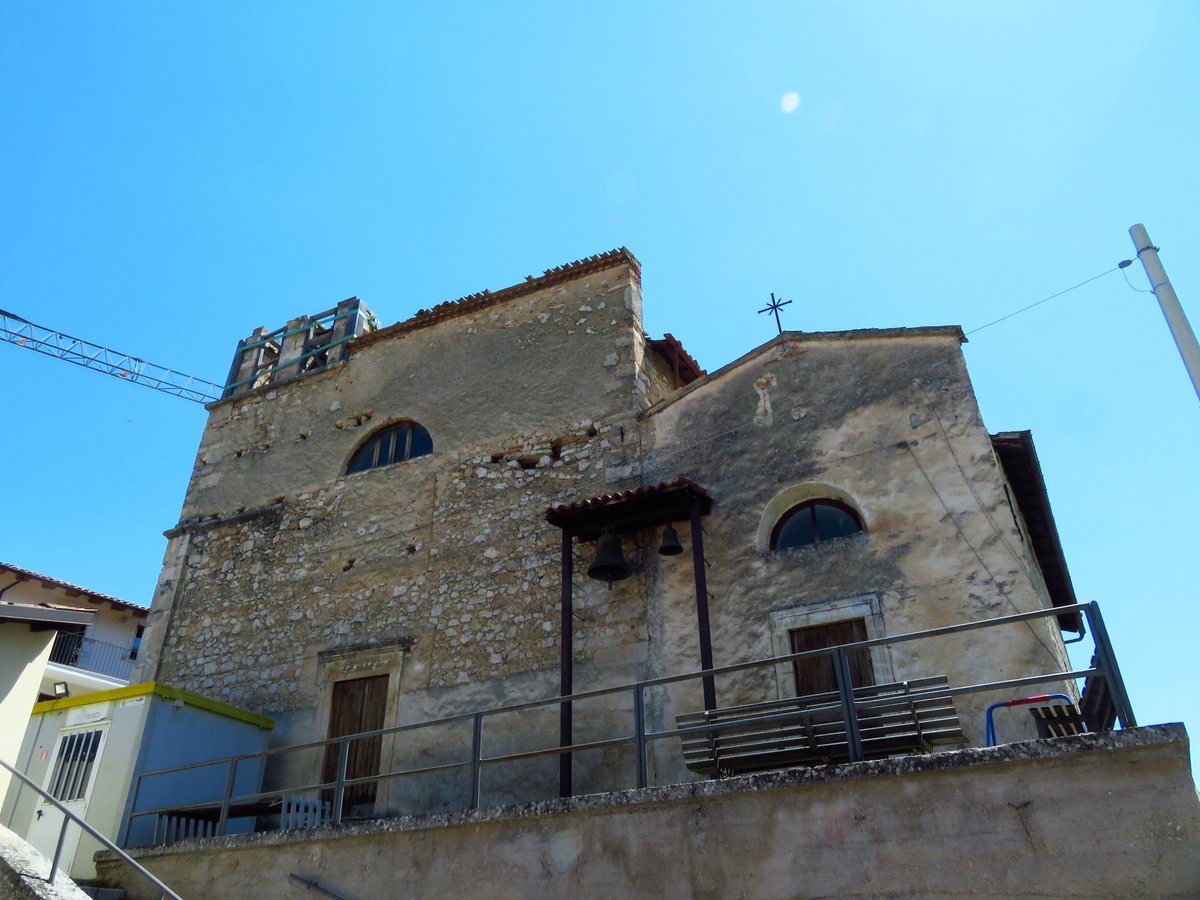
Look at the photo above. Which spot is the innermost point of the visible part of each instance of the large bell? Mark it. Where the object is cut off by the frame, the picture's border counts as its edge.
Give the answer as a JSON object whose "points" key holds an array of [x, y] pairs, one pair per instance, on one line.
{"points": [[610, 562], [670, 542]]}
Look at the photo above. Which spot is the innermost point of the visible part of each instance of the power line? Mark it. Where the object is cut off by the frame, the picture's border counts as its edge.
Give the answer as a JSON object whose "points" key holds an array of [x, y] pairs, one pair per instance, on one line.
{"points": [[1045, 299], [1131, 284]]}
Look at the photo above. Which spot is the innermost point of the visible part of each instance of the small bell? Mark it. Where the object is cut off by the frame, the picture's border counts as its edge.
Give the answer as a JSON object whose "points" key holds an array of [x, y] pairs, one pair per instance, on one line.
{"points": [[670, 542], [610, 562]]}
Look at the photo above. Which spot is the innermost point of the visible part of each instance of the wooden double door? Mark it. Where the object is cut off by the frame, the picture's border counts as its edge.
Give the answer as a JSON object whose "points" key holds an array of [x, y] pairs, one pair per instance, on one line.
{"points": [[357, 705], [816, 675]]}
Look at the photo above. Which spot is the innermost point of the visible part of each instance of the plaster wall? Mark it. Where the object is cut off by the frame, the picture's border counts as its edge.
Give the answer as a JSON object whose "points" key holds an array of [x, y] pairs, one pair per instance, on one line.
{"points": [[23, 656], [889, 425], [1111, 815], [113, 626]]}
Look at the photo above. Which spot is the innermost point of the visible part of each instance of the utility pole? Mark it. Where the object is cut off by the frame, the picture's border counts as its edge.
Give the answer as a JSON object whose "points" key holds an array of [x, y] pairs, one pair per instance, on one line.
{"points": [[1181, 330]]}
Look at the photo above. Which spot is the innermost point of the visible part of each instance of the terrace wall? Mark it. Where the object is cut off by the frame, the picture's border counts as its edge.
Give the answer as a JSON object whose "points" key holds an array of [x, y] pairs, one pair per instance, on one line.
{"points": [[1097, 815]]}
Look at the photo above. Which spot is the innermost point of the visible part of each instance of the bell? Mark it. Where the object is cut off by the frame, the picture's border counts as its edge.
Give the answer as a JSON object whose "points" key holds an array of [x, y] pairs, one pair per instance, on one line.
{"points": [[610, 562], [670, 542]]}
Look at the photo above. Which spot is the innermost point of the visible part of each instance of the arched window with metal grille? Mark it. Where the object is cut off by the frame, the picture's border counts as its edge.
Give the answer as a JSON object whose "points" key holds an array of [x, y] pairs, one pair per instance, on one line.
{"points": [[814, 522], [393, 443]]}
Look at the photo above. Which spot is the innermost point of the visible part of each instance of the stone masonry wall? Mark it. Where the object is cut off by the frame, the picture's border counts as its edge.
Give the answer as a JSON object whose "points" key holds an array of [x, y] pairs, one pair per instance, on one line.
{"points": [[284, 562], [441, 572]]}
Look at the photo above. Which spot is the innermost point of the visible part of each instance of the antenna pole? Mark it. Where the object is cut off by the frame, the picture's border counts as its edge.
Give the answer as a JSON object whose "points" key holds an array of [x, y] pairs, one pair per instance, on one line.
{"points": [[1181, 329]]}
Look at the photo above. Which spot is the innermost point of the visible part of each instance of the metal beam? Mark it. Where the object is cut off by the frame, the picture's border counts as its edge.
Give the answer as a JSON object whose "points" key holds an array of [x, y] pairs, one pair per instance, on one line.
{"points": [[20, 331]]}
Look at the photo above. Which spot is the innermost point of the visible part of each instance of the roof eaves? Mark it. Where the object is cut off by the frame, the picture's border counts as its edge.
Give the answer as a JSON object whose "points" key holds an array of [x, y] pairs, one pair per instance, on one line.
{"points": [[47, 581], [47, 616], [1019, 459], [631, 510]]}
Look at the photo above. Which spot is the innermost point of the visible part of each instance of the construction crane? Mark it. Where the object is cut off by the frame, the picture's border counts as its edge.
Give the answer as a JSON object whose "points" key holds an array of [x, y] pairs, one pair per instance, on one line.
{"points": [[20, 331]]}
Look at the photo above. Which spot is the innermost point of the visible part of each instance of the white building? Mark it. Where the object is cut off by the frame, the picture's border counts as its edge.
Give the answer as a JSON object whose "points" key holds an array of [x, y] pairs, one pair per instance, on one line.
{"points": [[98, 656]]}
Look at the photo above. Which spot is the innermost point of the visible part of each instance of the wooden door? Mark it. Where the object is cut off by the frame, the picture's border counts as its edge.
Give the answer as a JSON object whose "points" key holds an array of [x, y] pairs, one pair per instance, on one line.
{"points": [[815, 676], [357, 705]]}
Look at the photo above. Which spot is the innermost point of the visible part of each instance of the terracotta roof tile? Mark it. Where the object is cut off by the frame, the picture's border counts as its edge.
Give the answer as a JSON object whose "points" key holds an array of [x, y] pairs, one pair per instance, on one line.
{"points": [[631, 510], [47, 581], [484, 299], [622, 496]]}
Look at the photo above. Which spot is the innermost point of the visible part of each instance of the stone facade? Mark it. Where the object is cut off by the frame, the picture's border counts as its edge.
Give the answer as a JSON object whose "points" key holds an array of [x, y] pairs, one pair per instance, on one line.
{"points": [[286, 575]]}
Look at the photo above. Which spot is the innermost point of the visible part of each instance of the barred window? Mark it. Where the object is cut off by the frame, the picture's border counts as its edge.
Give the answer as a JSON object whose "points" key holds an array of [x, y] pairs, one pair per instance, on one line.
{"points": [[73, 766], [814, 522], [391, 444]]}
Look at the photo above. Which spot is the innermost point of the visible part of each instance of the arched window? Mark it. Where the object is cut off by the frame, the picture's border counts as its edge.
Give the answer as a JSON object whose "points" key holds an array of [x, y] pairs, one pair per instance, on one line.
{"points": [[813, 522], [391, 444]]}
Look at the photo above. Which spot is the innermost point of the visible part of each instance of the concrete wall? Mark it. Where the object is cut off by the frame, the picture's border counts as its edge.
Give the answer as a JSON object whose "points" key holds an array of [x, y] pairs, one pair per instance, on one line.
{"points": [[23, 655], [287, 575], [23, 872], [1111, 815]]}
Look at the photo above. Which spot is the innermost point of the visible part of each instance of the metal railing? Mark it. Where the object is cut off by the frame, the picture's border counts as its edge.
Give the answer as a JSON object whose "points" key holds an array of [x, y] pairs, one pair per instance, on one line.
{"points": [[68, 818], [1103, 669], [81, 652]]}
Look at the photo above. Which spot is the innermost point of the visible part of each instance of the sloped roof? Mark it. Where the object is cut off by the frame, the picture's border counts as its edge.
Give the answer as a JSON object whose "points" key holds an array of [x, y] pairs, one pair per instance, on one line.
{"points": [[484, 299], [632, 510], [72, 590], [43, 616], [787, 337]]}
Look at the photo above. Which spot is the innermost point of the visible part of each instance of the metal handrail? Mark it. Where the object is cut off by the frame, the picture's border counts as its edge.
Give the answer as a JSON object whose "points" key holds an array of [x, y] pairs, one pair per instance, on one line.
{"points": [[69, 817], [1104, 667], [91, 655]]}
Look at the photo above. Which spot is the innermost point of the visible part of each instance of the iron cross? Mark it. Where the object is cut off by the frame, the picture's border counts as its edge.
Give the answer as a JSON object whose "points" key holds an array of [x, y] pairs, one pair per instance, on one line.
{"points": [[774, 306]]}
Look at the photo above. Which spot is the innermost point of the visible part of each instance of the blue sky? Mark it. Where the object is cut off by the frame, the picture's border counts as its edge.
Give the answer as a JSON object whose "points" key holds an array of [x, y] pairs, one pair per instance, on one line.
{"points": [[174, 175]]}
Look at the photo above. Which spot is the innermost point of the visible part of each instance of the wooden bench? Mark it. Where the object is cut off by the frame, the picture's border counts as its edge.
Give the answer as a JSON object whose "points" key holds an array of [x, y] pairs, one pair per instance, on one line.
{"points": [[810, 730]]}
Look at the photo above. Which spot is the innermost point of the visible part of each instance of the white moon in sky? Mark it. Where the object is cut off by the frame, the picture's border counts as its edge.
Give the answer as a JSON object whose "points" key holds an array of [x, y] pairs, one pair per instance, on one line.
{"points": [[790, 102]]}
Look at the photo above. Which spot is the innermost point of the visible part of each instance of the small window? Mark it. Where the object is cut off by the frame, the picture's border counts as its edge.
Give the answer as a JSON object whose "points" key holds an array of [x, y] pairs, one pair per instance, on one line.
{"points": [[137, 642], [814, 522], [73, 767], [393, 444]]}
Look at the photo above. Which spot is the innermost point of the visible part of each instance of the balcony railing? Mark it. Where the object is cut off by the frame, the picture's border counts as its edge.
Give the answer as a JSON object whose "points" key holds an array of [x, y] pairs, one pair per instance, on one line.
{"points": [[91, 655], [196, 806]]}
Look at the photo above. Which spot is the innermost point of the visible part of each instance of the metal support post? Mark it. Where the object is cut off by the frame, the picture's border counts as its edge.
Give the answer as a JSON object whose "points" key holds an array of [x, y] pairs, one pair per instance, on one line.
{"points": [[339, 789], [566, 679], [228, 795], [1107, 661], [476, 756], [698, 564], [841, 670], [58, 848], [1181, 330], [639, 733]]}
